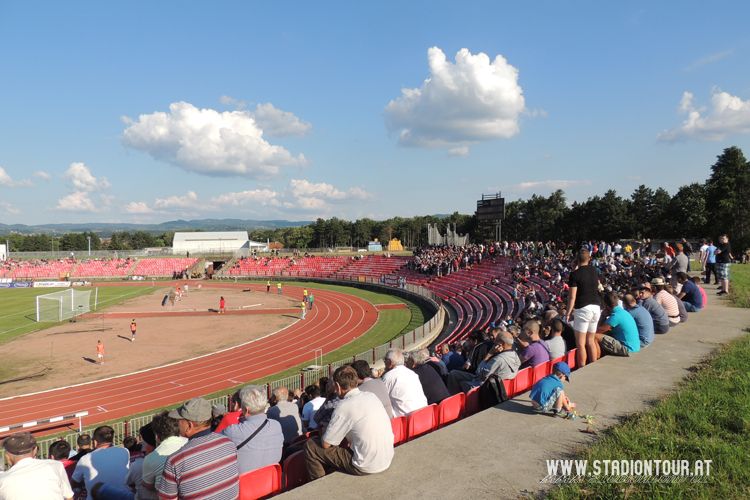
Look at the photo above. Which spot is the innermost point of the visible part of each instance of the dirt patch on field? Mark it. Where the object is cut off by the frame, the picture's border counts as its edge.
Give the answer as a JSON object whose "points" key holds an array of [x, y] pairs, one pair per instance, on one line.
{"points": [[66, 354]]}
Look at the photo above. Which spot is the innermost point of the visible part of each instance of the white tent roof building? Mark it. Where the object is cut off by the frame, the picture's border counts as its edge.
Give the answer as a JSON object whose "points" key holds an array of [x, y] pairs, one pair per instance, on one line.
{"points": [[236, 242]]}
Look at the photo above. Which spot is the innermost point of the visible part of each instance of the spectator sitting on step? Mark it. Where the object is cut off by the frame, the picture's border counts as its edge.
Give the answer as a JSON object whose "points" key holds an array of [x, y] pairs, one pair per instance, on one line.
{"points": [[532, 350], [478, 348], [325, 412], [360, 419], [27, 475], [548, 395], [83, 443], [107, 464], [374, 385], [207, 464], [60, 451], [229, 418], [658, 314], [259, 438], [404, 388], [168, 440], [682, 310], [618, 336], [698, 282], [555, 342], [315, 401], [429, 375], [285, 413], [666, 300], [642, 318], [502, 360], [452, 356], [690, 295], [135, 474]]}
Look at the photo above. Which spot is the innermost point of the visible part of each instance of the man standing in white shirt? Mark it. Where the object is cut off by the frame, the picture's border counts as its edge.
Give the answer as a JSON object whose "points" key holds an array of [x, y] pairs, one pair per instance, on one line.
{"points": [[360, 418], [107, 464], [404, 387], [29, 477]]}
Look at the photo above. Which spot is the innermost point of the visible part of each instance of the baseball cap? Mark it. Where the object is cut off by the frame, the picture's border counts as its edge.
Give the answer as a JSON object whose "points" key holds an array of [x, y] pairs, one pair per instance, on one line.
{"points": [[562, 367], [19, 443], [195, 410]]}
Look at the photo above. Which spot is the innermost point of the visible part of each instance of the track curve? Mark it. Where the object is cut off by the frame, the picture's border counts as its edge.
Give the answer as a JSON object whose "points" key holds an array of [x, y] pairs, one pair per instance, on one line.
{"points": [[336, 319]]}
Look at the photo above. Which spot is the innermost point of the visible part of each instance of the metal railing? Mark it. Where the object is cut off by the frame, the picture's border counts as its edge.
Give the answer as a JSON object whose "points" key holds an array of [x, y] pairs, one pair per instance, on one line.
{"points": [[298, 381]]}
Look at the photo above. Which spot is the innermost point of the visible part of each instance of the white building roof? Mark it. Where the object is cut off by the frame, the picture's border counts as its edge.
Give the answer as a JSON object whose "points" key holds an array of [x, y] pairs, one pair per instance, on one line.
{"points": [[208, 236]]}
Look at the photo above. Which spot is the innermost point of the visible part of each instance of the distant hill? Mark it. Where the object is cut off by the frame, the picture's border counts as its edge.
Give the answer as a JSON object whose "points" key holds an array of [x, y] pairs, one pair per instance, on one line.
{"points": [[107, 228]]}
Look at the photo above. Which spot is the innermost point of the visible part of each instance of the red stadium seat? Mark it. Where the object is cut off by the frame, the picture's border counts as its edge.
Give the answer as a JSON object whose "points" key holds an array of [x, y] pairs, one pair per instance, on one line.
{"points": [[450, 409], [398, 424], [540, 371], [522, 382], [508, 388], [572, 358], [421, 421], [294, 471], [471, 404], [557, 360], [260, 483]]}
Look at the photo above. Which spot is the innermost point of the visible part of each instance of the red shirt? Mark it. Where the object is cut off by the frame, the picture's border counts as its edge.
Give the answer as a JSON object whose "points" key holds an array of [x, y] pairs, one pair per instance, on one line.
{"points": [[230, 418]]}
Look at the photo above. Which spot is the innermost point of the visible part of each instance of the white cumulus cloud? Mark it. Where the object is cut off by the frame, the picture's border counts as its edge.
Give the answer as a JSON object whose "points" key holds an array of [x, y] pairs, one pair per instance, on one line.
{"points": [[250, 197], [78, 201], [7, 181], [459, 104], [81, 178], [551, 184], [302, 187], [726, 115], [279, 123], [189, 200], [9, 208], [41, 174], [208, 142], [138, 207]]}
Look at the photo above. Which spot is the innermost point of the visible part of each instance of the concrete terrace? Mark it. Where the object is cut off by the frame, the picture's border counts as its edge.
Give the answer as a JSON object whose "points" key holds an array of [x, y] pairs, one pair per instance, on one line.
{"points": [[501, 452]]}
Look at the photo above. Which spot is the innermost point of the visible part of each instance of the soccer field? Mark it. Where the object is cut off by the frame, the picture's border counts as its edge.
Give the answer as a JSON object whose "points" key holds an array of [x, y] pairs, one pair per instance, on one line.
{"points": [[18, 306]]}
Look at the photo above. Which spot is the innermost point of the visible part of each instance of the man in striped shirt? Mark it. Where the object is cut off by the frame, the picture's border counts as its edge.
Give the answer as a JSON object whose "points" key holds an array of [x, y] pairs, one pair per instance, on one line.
{"points": [[206, 467]]}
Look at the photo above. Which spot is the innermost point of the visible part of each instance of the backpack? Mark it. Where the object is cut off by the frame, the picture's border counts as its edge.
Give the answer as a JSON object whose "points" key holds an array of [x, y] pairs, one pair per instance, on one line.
{"points": [[492, 392]]}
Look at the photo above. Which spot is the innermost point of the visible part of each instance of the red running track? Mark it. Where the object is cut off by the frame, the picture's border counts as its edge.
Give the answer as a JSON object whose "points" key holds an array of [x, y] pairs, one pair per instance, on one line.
{"points": [[335, 320]]}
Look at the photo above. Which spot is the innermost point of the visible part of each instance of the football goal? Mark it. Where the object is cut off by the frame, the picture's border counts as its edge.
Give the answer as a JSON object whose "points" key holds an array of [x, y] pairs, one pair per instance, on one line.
{"points": [[59, 306]]}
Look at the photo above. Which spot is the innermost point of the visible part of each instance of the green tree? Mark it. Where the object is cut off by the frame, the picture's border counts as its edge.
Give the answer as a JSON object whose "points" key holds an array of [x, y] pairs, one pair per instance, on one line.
{"points": [[686, 215], [728, 196]]}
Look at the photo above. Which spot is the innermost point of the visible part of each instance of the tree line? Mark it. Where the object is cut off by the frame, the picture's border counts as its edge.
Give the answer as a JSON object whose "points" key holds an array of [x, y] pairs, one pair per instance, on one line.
{"points": [[721, 204]]}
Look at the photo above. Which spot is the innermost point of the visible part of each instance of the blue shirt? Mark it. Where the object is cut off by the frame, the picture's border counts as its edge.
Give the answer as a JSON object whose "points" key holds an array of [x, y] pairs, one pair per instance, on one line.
{"points": [[545, 389], [453, 361], [264, 449], [711, 251], [624, 329], [645, 324], [692, 294]]}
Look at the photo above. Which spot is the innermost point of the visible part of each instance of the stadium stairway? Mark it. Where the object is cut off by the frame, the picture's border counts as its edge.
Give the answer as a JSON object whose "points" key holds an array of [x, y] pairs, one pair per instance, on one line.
{"points": [[501, 452]]}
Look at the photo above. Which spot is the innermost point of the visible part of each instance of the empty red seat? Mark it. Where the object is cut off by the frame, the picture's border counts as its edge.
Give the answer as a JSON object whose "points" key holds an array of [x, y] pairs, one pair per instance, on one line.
{"points": [[540, 371], [260, 483], [398, 424], [471, 403], [522, 382], [572, 358], [450, 409], [294, 470], [421, 421], [557, 360]]}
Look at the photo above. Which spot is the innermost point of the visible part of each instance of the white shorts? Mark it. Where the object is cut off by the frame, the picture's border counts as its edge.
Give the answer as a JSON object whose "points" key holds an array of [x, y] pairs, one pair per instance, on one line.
{"points": [[586, 319]]}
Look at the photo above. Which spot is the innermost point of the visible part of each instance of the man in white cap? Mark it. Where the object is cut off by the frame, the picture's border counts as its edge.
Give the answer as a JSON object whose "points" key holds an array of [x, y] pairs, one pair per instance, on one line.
{"points": [[29, 477], [207, 465]]}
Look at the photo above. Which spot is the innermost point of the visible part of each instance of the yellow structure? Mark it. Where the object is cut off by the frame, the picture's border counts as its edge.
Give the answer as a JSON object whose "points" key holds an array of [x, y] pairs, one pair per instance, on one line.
{"points": [[395, 245]]}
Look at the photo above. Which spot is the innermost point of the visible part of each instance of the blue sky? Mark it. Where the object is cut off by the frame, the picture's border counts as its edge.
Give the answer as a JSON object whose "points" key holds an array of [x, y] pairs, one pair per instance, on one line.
{"points": [[152, 111]]}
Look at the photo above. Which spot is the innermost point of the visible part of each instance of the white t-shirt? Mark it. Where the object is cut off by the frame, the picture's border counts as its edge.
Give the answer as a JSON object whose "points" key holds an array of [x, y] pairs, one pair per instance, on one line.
{"points": [[361, 418], [153, 464], [556, 346], [107, 465], [309, 410], [405, 390], [37, 479]]}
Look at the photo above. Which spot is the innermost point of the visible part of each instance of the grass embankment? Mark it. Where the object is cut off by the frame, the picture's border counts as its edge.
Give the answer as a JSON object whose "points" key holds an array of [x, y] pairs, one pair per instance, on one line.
{"points": [[739, 287], [18, 306], [708, 418]]}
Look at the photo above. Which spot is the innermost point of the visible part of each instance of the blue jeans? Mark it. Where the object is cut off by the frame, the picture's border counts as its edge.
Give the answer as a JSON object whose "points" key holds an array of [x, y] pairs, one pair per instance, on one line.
{"points": [[690, 307]]}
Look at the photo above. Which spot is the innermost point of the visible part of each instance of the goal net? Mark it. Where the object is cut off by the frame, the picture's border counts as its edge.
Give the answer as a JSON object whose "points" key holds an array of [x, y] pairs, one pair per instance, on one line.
{"points": [[59, 306]]}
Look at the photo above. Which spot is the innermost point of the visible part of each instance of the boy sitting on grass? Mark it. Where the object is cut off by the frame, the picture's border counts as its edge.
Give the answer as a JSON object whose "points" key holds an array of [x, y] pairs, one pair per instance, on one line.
{"points": [[548, 396]]}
